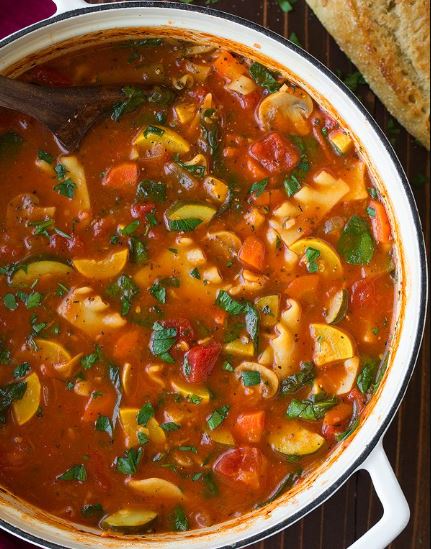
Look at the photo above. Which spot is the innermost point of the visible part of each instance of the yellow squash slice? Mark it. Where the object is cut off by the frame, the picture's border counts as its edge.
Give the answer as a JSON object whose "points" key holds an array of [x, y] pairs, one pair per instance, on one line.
{"points": [[101, 269], [330, 344], [269, 308], [38, 269], [76, 173], [238, 348], [128, 520], [26, 408], [294, 440], [130, 427], [159, 136], [222, 436], [53, 353], [329, 263], [156, 488], [187, 390]]}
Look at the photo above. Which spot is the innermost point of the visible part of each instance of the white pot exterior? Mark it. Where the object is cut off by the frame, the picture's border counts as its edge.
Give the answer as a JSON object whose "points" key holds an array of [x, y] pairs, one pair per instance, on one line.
{"points": [[341, 464]]}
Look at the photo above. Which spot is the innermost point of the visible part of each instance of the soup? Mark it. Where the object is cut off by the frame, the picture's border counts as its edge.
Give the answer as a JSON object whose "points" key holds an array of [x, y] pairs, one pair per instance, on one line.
{"points": [[196, 305]]}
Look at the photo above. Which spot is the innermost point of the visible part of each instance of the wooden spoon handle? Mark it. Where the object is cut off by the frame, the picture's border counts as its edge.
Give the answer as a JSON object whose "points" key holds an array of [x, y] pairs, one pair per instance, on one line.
{"points": [[23, 97]]}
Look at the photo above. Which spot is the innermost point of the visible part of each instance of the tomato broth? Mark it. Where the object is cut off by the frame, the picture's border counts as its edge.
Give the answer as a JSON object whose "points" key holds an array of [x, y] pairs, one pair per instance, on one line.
{"points": [[195, 306]]}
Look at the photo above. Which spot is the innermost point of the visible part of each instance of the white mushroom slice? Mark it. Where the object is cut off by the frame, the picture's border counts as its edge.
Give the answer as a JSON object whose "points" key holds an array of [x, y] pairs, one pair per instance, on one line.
{"points": [[243, 85], [268, 380], [287, 107], [156, 488], [24, 208], [76, 173], [86, 310], [225, 242], [185, 81], [212, 275], [284, 345], [200, 72]]}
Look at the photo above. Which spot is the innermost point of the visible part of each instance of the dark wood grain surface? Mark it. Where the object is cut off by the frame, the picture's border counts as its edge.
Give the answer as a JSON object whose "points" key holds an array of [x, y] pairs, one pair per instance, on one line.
{"points": [[355, 507]]}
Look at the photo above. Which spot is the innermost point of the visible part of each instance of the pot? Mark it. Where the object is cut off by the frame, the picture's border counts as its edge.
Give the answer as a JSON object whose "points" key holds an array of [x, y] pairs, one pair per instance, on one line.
{"points": [[75, 19]]}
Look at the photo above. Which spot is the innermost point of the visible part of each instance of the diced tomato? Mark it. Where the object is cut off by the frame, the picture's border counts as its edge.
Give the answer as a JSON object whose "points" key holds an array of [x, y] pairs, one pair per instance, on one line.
{"points": [[275, 153], [246, 465], [126, 345], [252, 253], [379, 222], [255, 169], [183, 326], [355, 396], [139, 211], [371, 296], [200, 360], [304, 288], [123, 177], [99, 404], [249, 102], [249, 426], [46, 76]]}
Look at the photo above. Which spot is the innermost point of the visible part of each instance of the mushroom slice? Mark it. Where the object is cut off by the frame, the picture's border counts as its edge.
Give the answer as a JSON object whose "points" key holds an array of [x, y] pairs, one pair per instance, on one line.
{"points": [[156, 487], [284, 108], [267, 380], [24, 208], [226, 243], [86, 310]]}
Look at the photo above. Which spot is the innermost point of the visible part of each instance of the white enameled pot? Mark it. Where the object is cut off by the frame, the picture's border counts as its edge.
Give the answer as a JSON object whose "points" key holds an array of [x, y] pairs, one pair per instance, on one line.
{"points": [[74, 19]]}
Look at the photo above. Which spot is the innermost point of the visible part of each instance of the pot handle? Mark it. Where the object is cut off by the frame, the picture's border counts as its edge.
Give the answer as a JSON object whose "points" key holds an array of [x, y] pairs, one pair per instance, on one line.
{"points": [[64, 6], [396, 512]]}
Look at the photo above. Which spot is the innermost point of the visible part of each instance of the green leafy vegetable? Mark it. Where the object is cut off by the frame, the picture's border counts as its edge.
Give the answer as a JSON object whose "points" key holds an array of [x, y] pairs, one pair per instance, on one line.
{"points": [[286, 5], [138, 251], [258, 188], [217, 417], [252, 323], [130, 228], [76, 472], [367, 374], [291, 185], [135, 97], [92, 510], [194, 273], [66, 188], [264, 77], [158, 292], [356, 244], [297, 381], [9, 301], [127, 464], [125, 289], [228, 304], [350, 429], [195, 169], [153, 130], [211, 488], [151, 190], [285, 484], [88, 361], [45, 156], [170, 426], [145, 414], [21, 370], [161, 341], [311, 257], [103, 423], [313, 408], [250, 378], [184, 225], [180, 522], [10, 393]]}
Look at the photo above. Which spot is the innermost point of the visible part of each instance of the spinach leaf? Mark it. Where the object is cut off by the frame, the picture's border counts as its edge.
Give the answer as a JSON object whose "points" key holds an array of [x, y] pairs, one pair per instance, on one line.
{"points": [[313, 408], [250, 378], [134, 98], [76, 472], [264, 77], [127, 464], [180, 521], [151, 190], [125, 289], [285, 484], [218, 416], [162, 339], [103, 423], [145, 414], [297, 381], [10, 393], [252, 322], [258, 187], [356, 244], [92, 509], [228, 304], [367, 375], [183, 225]]}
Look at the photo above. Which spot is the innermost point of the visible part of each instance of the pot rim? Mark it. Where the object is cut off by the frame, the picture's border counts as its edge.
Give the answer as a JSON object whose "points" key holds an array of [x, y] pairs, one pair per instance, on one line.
{"points": [[418, 236]]}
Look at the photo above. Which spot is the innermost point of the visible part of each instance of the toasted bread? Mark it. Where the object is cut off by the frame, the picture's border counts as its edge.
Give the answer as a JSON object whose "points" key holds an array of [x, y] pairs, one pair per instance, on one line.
{"points": [[389, 42]]}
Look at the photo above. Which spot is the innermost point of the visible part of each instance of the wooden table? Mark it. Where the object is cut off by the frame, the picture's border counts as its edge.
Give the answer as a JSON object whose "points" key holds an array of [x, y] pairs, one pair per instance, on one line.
{"points": [[355, 507]]}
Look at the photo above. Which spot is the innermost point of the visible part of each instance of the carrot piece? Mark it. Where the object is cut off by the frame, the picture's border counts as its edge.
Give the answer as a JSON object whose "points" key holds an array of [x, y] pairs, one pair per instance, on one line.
{"points": [[122, 177], [99, 404], [250, 426], [126, 345], [252, 253], [379, 222], [304, 288], [228, 67]]}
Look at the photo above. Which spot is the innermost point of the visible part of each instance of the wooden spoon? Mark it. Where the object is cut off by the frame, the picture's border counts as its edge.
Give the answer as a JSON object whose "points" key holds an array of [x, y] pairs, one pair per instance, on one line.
{"points": [[67, 112]]}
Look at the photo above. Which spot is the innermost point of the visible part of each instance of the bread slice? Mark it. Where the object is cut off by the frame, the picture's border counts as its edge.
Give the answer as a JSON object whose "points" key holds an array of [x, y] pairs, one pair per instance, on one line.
{"points": [[389, 42]]}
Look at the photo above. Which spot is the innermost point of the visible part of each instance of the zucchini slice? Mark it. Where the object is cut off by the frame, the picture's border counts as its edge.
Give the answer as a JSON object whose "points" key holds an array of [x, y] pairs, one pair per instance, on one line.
{"points": [[294, 440], [156, 487], [269, 308], [186, 216], [187, 390], [330, 344], [159, 136], [338, 307], [128, 520], [328, 261], [37, 269]]}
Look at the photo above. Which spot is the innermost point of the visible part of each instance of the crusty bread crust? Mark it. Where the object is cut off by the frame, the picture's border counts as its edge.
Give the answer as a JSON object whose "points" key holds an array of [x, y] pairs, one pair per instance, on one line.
{"points": [[389, 42]]}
